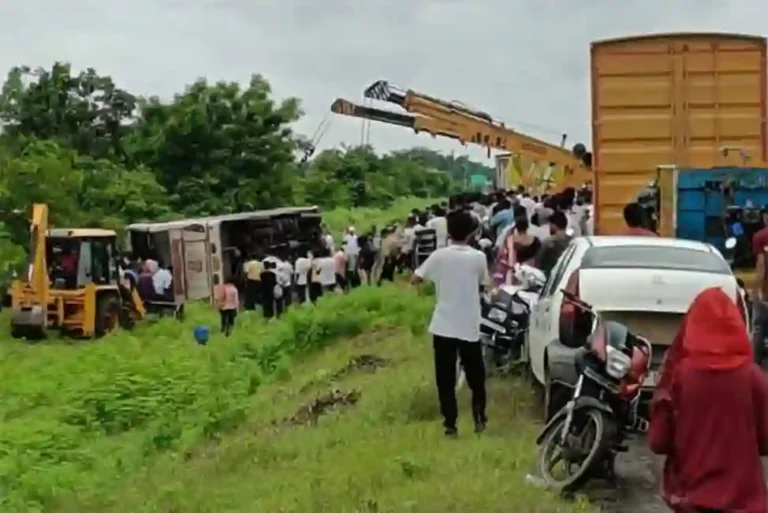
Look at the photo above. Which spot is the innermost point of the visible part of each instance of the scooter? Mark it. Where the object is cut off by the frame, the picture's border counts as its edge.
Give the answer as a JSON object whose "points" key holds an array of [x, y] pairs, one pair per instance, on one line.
{"points": [[505, 316]]}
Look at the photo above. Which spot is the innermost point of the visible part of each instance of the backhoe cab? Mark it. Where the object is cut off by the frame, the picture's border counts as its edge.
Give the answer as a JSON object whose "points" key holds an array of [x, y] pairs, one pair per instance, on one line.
{"points": [[72, 284]]}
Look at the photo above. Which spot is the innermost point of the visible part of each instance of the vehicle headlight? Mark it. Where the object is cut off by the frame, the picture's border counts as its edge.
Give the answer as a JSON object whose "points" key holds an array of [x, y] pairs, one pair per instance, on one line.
{"points": [[497, 315], [617, 363]]}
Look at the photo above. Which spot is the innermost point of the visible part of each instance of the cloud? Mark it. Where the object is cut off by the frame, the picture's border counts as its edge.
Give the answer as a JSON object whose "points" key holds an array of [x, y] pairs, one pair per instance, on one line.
{"points": [[525, 62]]}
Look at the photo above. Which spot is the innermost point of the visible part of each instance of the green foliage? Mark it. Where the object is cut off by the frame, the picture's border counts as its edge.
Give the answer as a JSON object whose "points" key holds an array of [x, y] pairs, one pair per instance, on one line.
{"points": [[101, 156], [458, 168], [364, 218], [73, 417]]}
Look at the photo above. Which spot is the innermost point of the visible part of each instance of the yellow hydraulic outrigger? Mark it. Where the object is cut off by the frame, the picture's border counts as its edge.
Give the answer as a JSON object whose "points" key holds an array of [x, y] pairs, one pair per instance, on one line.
{"points": [[456, 121]]}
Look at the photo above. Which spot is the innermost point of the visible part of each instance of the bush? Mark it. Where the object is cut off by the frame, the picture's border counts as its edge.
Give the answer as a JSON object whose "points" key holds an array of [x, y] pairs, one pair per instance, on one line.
{"points": [[100, 408]]}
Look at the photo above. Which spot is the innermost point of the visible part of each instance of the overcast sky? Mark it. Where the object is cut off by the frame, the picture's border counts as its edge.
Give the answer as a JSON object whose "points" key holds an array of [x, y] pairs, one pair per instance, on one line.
{"points": [[523, 61]]}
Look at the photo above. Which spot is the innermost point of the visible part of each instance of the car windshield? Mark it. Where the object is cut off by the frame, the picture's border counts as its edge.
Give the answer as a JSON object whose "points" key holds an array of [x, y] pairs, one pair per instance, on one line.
{"points": [[655, 257]]}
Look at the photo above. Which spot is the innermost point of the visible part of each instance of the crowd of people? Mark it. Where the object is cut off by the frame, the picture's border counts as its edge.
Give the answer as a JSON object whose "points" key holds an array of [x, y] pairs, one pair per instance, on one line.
{"points": [[709, 413]]}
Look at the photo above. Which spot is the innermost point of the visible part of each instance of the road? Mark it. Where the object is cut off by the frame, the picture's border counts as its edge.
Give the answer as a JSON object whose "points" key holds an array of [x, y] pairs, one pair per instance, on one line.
{"points": [[637, 490], [639, 485]]}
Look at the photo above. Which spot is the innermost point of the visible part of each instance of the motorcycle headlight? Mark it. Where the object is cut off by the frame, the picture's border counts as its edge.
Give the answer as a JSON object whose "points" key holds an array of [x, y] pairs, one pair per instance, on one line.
{"points": [[617, 363], [497, 315]]}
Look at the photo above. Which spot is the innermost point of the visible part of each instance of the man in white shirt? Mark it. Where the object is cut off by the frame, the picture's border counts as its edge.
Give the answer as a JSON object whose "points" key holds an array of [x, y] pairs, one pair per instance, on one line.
{"points": [[352, 255], [302, 267], [162, 281], [458, 272], [408, 242], [285, 279], [439, 224], [327, 239], [528, 204]]}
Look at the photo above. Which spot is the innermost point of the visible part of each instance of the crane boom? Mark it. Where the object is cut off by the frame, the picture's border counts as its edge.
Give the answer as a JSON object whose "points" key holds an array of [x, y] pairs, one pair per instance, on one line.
{"points": [[418, 124], [468, 125]]}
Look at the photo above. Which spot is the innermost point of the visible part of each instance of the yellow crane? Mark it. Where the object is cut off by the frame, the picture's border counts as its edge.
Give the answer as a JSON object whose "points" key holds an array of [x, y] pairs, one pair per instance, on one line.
{"points": [[561, 167]]}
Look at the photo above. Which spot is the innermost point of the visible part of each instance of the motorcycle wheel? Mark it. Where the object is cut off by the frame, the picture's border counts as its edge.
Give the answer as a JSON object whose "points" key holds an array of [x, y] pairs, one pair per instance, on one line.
{"points": [[588, 451]]}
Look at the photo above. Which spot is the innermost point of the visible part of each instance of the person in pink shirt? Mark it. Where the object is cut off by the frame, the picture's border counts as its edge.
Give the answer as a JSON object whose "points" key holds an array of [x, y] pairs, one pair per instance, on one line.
{"points": [[228, 301]]}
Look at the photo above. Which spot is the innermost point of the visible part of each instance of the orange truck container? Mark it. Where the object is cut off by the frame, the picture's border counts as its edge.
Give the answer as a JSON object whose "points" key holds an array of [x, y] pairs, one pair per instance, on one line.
{"points": [[672, 99]]}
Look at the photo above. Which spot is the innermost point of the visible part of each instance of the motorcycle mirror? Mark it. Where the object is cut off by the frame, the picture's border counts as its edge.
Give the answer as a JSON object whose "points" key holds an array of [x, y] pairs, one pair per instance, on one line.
{"points": [[730, 243]]}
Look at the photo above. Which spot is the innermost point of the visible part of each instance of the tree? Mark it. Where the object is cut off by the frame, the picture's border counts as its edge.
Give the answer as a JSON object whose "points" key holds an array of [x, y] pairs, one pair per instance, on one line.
{"points": [[219, 148], [356, 176], [100, 156], [85, 112], [459, 168]]}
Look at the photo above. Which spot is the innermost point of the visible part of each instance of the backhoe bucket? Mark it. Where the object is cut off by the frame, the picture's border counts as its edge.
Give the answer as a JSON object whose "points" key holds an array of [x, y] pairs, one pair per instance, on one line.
{"points": [[28, 322]]}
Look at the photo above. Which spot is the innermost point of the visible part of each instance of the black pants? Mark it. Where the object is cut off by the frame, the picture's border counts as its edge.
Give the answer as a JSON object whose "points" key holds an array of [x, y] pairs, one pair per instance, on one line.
{"points": [[287, 297], [388, 269], [301, 294], [227, 321], [341, 281], [353, 278], [315, 291], [252, 293], [447, 352]]}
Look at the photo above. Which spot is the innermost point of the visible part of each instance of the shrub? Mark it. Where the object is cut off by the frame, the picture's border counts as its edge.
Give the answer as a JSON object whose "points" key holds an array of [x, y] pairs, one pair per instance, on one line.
{"points": [[99, 408]]}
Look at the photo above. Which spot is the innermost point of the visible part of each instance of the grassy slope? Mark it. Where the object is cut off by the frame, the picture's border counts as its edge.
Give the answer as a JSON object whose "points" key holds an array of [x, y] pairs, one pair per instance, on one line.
{"points": [[149, 422], [384, 454]]}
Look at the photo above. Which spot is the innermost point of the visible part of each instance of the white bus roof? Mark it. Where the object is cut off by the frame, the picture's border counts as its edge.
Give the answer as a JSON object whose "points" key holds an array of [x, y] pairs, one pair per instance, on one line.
{"points": [[212, 220]]}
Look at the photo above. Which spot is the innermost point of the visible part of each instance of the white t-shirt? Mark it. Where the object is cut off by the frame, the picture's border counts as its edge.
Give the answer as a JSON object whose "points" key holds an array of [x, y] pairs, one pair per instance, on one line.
{"points": [[284, 273], [328, 241], [440, 225], [574, 219], [350, 244], [161, 281], [409, 238], [457, 272], [325, 268], [303, 266], [529, 205]]}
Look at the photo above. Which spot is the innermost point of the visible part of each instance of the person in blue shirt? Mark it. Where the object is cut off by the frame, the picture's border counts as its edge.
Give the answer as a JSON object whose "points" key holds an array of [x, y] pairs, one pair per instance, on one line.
{"points": [[503, 216]]}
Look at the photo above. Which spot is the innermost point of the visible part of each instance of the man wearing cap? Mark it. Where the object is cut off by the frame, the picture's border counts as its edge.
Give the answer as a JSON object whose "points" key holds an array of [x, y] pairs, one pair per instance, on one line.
{"points": [[760, 292]]}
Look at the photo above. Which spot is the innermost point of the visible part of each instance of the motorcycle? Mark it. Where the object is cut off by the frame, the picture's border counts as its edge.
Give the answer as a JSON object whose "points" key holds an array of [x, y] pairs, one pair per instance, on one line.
{"points": [[586, 435], [504, 322], [505, 316]]}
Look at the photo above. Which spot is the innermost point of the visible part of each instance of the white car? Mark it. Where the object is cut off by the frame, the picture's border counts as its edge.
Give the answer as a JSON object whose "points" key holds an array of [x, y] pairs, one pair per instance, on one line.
{"points": [[646, 283]]}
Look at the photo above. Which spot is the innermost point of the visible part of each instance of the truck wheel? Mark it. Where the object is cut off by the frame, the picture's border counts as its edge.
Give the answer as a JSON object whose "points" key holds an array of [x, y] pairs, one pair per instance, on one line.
{"points": [[107, 314]]}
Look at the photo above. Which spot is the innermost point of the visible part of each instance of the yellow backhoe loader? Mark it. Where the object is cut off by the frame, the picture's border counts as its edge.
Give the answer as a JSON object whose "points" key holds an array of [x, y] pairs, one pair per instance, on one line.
{"points": [[72, 284]]}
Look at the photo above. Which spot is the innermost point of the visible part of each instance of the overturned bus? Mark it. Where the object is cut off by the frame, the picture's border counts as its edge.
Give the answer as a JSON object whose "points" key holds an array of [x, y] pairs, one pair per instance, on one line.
{"points": [[204, 252]]}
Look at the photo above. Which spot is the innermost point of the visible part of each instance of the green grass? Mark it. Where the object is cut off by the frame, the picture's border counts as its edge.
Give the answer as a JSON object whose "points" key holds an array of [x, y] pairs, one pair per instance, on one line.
{"points": [[151, 422], [364, 218]]}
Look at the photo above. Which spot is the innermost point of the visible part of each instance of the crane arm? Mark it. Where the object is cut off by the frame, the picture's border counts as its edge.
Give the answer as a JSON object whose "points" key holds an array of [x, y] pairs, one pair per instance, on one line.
{"points": [[484, 130], [417, 124]]}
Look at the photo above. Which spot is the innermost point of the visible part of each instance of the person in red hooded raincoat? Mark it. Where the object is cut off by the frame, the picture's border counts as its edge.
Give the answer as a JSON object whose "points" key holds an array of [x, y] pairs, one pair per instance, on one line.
{"points": [[709, 414]]}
